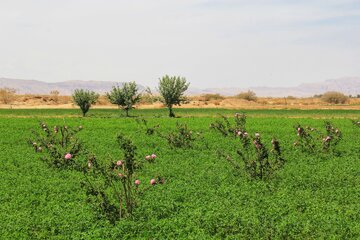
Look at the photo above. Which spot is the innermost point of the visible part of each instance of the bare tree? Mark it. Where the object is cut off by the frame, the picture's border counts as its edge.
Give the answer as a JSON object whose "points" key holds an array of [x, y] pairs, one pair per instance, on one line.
{"points": [[7, 95], [55, 96]]}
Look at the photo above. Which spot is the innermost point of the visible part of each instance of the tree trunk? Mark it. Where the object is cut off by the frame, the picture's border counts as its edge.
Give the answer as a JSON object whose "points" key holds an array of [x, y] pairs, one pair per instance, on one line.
{"points": [[171, 113], [127, 112]]}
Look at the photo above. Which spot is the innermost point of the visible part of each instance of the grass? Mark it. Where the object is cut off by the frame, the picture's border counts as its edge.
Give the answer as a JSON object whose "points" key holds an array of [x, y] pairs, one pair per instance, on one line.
{"points": [[203, 197], [181, 112]]}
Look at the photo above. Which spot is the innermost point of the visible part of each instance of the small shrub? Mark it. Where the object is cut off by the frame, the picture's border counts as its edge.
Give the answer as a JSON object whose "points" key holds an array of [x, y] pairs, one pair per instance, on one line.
{"points": [[182, 137], [209, 97], [84, 99], [148, 98], [334, 97], [113, 188], [332, 138], [226, 128], [258, 161], [249, 96], [356, 123], [55, 96], [313, 141], [7, 95], [59, 146], [148, 130]]}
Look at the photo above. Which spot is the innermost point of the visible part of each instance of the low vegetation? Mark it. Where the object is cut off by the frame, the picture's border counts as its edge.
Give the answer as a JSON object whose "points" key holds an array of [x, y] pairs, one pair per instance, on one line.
{"points": [[7, 95], [55, 96], [213, 96], [249, 96], [334, 97], [241, 179]]}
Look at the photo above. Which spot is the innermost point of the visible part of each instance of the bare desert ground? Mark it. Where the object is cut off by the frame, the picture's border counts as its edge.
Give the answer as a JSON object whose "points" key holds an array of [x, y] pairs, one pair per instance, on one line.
{"points": [[65, 102]]}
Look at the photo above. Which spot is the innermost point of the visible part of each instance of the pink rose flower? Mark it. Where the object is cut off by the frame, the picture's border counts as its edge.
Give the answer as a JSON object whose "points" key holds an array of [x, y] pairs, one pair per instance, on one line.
{"points": [[152, 182], [153, 156], [137, 182], [68, 156], [119, 163]]}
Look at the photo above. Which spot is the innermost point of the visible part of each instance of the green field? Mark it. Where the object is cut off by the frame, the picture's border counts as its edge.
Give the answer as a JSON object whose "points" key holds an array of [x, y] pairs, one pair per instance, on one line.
{"points": [[203, 198]]}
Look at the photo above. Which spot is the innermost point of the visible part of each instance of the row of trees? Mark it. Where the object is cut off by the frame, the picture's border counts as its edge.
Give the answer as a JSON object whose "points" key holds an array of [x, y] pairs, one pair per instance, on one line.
{"points": [[171, 89]]}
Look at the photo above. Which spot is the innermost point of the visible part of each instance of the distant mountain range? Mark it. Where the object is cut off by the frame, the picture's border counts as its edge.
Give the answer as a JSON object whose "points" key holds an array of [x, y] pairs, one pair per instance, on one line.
{"points": [[348, 86], [65, 88]]}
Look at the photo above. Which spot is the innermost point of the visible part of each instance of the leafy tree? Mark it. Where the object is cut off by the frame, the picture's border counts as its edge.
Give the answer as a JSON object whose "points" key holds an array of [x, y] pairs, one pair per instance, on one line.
{"points": [[126, 96], [84, 99], [172, 90]]}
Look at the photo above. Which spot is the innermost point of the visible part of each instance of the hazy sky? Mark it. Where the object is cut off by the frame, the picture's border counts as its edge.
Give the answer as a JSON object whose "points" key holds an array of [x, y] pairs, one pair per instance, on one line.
{"points": [[213, 43]]}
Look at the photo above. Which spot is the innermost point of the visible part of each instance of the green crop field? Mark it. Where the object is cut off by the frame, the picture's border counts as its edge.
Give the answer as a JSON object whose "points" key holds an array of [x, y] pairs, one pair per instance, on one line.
{"points": [[313, 196]]}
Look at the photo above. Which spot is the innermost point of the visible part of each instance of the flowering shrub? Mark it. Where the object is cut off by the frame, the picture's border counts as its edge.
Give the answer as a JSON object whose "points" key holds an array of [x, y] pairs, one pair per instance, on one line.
{"points": [[356, 123], [59, 145], [182, 137], [259, 162], [150, 158], [148, 130], [313, 141], [113, 189], [332, 138], [306, 141], [226, 128]]}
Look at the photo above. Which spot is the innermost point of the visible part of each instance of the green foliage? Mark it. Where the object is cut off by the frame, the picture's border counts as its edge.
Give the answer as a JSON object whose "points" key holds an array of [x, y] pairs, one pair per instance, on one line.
{"points": [[356, 123], [126, 96], [204, 198], [258, 163], [226, 128], [172, 91], [84, 99], [182, 137], [144, 124], [59, 147], [314, 141], [112, 189]]}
